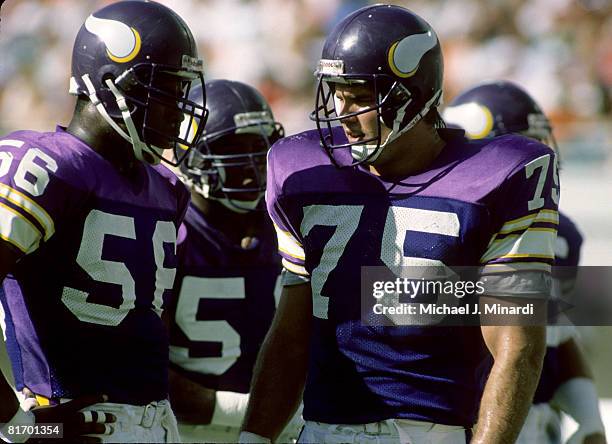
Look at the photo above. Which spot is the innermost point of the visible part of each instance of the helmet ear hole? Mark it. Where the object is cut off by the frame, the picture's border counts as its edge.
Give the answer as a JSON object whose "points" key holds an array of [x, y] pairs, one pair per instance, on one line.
{"points": [[108, 76], [397, 99], [107, 72]]}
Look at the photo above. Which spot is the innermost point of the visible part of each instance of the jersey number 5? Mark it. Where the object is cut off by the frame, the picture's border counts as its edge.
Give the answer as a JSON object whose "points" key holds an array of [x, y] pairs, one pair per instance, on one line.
{"points": [[98, 225]]}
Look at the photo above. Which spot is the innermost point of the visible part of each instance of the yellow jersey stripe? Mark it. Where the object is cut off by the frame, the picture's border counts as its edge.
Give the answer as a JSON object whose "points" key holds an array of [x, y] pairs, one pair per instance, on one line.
{"points": [[288, 244], [548, 216], [30, 207], [17, 230], [515, 266], [534, 242], [297, 269]]}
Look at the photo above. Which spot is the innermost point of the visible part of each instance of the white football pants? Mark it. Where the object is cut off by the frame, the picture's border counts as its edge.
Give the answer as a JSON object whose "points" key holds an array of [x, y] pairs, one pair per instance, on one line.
{"points": [[543, 425], [225, 434], [390, 431], [152, 423]]}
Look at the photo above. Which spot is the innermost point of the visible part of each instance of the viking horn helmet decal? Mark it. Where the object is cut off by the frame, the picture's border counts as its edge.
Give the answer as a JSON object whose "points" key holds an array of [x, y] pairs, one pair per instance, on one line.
{"points": [[122, 42], [406, 54]]}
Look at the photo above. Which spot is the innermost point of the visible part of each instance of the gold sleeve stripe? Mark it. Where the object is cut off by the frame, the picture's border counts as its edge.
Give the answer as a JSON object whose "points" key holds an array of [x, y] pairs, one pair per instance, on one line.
{"points": [[514, 267], [549, 216], [534, 242], [537, 256], [297, 269], [30, 207], [293, 255], [543, 229], [17, 230], [288, 244]]}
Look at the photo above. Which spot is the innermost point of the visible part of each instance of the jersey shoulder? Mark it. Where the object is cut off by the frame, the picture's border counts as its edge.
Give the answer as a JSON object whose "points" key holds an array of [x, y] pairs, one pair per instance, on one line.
{"points": [[299, 166], [515, 151], [168, 178], [39, 185], [59, 153], [296, 153], [165, 174], [302, 143]]}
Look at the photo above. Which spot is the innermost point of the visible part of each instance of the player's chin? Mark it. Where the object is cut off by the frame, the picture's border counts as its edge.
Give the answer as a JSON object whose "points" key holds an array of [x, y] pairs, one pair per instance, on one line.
{"points": [[162, 135], [161, 142], [246, 197]]}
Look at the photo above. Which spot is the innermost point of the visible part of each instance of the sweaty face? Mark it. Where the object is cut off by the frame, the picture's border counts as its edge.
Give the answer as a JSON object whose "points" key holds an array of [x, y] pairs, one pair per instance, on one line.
{"points": [[351, 98], [242, 166]]}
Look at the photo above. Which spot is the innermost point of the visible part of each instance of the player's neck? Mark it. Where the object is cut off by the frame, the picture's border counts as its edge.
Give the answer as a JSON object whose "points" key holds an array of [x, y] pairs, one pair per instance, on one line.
{"points": [[87, 125], [410, 153], [234, 225]]}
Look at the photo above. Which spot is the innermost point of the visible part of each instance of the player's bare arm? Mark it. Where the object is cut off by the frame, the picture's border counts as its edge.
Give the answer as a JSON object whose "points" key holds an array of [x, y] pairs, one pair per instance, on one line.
{"points": [[192, 402], [280, 370], [518, 352]]}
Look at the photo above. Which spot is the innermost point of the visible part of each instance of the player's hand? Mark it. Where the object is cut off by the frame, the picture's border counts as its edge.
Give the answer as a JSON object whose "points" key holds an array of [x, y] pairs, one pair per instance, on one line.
{"points": [[76, 423], [29, 401]]}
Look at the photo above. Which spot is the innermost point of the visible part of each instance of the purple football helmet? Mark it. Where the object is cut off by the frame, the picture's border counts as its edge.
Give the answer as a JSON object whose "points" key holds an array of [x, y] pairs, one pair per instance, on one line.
{"points": [[496, 108], [135, 61], [228, 163], [394, 52]]}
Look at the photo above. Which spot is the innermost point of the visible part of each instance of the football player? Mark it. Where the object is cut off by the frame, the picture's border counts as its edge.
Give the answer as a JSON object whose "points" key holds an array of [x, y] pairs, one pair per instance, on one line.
{"points": [[88, 227], [501, 107], [228, 265], [390, 187]]}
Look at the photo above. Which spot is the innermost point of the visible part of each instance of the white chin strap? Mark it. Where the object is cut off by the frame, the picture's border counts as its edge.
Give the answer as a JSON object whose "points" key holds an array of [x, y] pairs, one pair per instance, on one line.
{"points": [[371, 152], [142, 151], [235, 205], [238, 206]]}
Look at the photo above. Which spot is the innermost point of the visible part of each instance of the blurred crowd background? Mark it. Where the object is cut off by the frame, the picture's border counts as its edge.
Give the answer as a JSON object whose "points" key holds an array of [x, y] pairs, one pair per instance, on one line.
{"points": [[559, 50]]}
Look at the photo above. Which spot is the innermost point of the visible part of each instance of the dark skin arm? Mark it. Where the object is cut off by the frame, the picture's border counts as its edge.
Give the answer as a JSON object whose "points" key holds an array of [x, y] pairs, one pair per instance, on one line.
{"points": [[280, 370], [574, 364], [191, 402]]}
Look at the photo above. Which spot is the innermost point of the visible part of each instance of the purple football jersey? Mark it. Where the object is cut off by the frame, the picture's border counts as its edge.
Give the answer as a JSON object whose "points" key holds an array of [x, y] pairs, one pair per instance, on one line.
{"points": [[491, 204], [98, 248], [225, 302]]}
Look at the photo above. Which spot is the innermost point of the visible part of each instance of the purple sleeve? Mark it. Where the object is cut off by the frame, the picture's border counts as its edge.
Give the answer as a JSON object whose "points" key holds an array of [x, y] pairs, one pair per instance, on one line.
{"points": [[32, 196], [289, 242], [525, 213]]}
